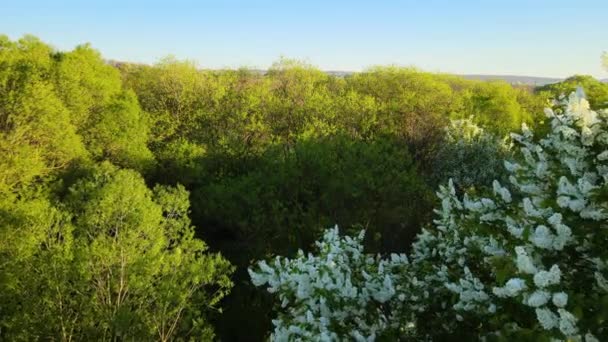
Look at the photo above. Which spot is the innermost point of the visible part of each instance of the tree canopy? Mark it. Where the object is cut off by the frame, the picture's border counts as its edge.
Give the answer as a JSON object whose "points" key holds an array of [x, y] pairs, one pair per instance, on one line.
{"points": [[133, 197]]}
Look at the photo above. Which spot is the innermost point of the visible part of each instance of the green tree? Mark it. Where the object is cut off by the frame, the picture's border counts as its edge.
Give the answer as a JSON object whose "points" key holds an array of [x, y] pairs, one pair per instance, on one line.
{"points": [[494, 106], [410, 104], [180, 161], [85, 82], [300, 105], [119, 133], [119, 261], [36, 133], [174, 93]]}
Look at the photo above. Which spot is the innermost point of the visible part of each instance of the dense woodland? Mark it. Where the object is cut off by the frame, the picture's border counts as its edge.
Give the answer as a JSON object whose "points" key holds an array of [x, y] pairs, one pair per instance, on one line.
{"points": [[133, 198]]}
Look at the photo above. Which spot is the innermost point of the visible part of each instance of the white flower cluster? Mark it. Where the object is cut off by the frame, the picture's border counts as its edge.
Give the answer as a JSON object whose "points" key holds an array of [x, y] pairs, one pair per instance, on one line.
{"points": [[530, 257], [338, 294], [538, 244]]}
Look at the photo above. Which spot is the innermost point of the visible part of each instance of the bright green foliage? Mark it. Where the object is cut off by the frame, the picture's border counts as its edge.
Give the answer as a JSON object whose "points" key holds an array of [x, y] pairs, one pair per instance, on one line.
{"points": [[495, 105], [108, 118], [23, 61], [40, 119], [596, 91], [35, 278], [410, 104], [300, 103], [126, 266], [174, 93], [20, 163], [357, 115], [119, 133], [87, 251], [55, 102], [36, 134], [85, 82], [271, 158]]}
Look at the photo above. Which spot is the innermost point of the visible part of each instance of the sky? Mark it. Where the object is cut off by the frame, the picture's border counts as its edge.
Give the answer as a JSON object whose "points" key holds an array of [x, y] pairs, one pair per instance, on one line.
{"points": [[509, 37]]}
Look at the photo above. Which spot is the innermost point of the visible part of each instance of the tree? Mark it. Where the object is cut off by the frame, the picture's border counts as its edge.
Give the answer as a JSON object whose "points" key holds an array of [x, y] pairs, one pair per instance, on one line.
{"points": [[494, 106], [300, 104], [411, 104], [175, 94], [32, 117], [269, 158], [527, 262], [84, 82], [118, 132], [320, 181], [125, 266], [596, 90]]}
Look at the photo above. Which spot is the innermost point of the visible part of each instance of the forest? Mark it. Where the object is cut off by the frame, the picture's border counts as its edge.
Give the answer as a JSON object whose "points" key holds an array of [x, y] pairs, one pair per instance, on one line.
{"points": [[138, 202]]}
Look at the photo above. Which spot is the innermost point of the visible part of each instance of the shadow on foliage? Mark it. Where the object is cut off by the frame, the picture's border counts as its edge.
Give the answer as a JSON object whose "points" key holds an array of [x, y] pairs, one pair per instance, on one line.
{"points": [[253, 206]]}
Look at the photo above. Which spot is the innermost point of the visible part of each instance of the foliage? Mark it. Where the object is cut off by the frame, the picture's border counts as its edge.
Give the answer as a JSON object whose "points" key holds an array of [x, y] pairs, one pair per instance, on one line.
{"points": [[280, 202], [496, 106], [533, 251], [34, 123], [87, 251], [85, 83], [68, 106], [119, 133], [114, 260]]}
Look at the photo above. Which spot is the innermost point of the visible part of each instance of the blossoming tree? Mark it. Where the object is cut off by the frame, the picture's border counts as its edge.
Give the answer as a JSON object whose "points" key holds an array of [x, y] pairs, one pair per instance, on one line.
{"points": [[526, 262]]}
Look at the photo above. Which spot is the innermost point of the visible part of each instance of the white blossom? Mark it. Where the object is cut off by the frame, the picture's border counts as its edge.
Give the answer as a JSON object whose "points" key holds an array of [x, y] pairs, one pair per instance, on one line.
{"points": [[589, 337], [512, 288], [542, 237], [538, 298], [560, 299], [524, 263], [543, 279], [567, 323], [547, 319]]}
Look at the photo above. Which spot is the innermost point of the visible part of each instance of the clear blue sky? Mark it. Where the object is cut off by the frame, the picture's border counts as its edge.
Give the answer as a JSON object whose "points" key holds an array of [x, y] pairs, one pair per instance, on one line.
{"points": [[524, 37]]}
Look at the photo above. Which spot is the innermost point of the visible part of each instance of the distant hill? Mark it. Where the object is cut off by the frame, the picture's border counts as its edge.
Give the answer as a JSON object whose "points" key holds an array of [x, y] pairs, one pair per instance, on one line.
{"points": [[514, 79]]}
